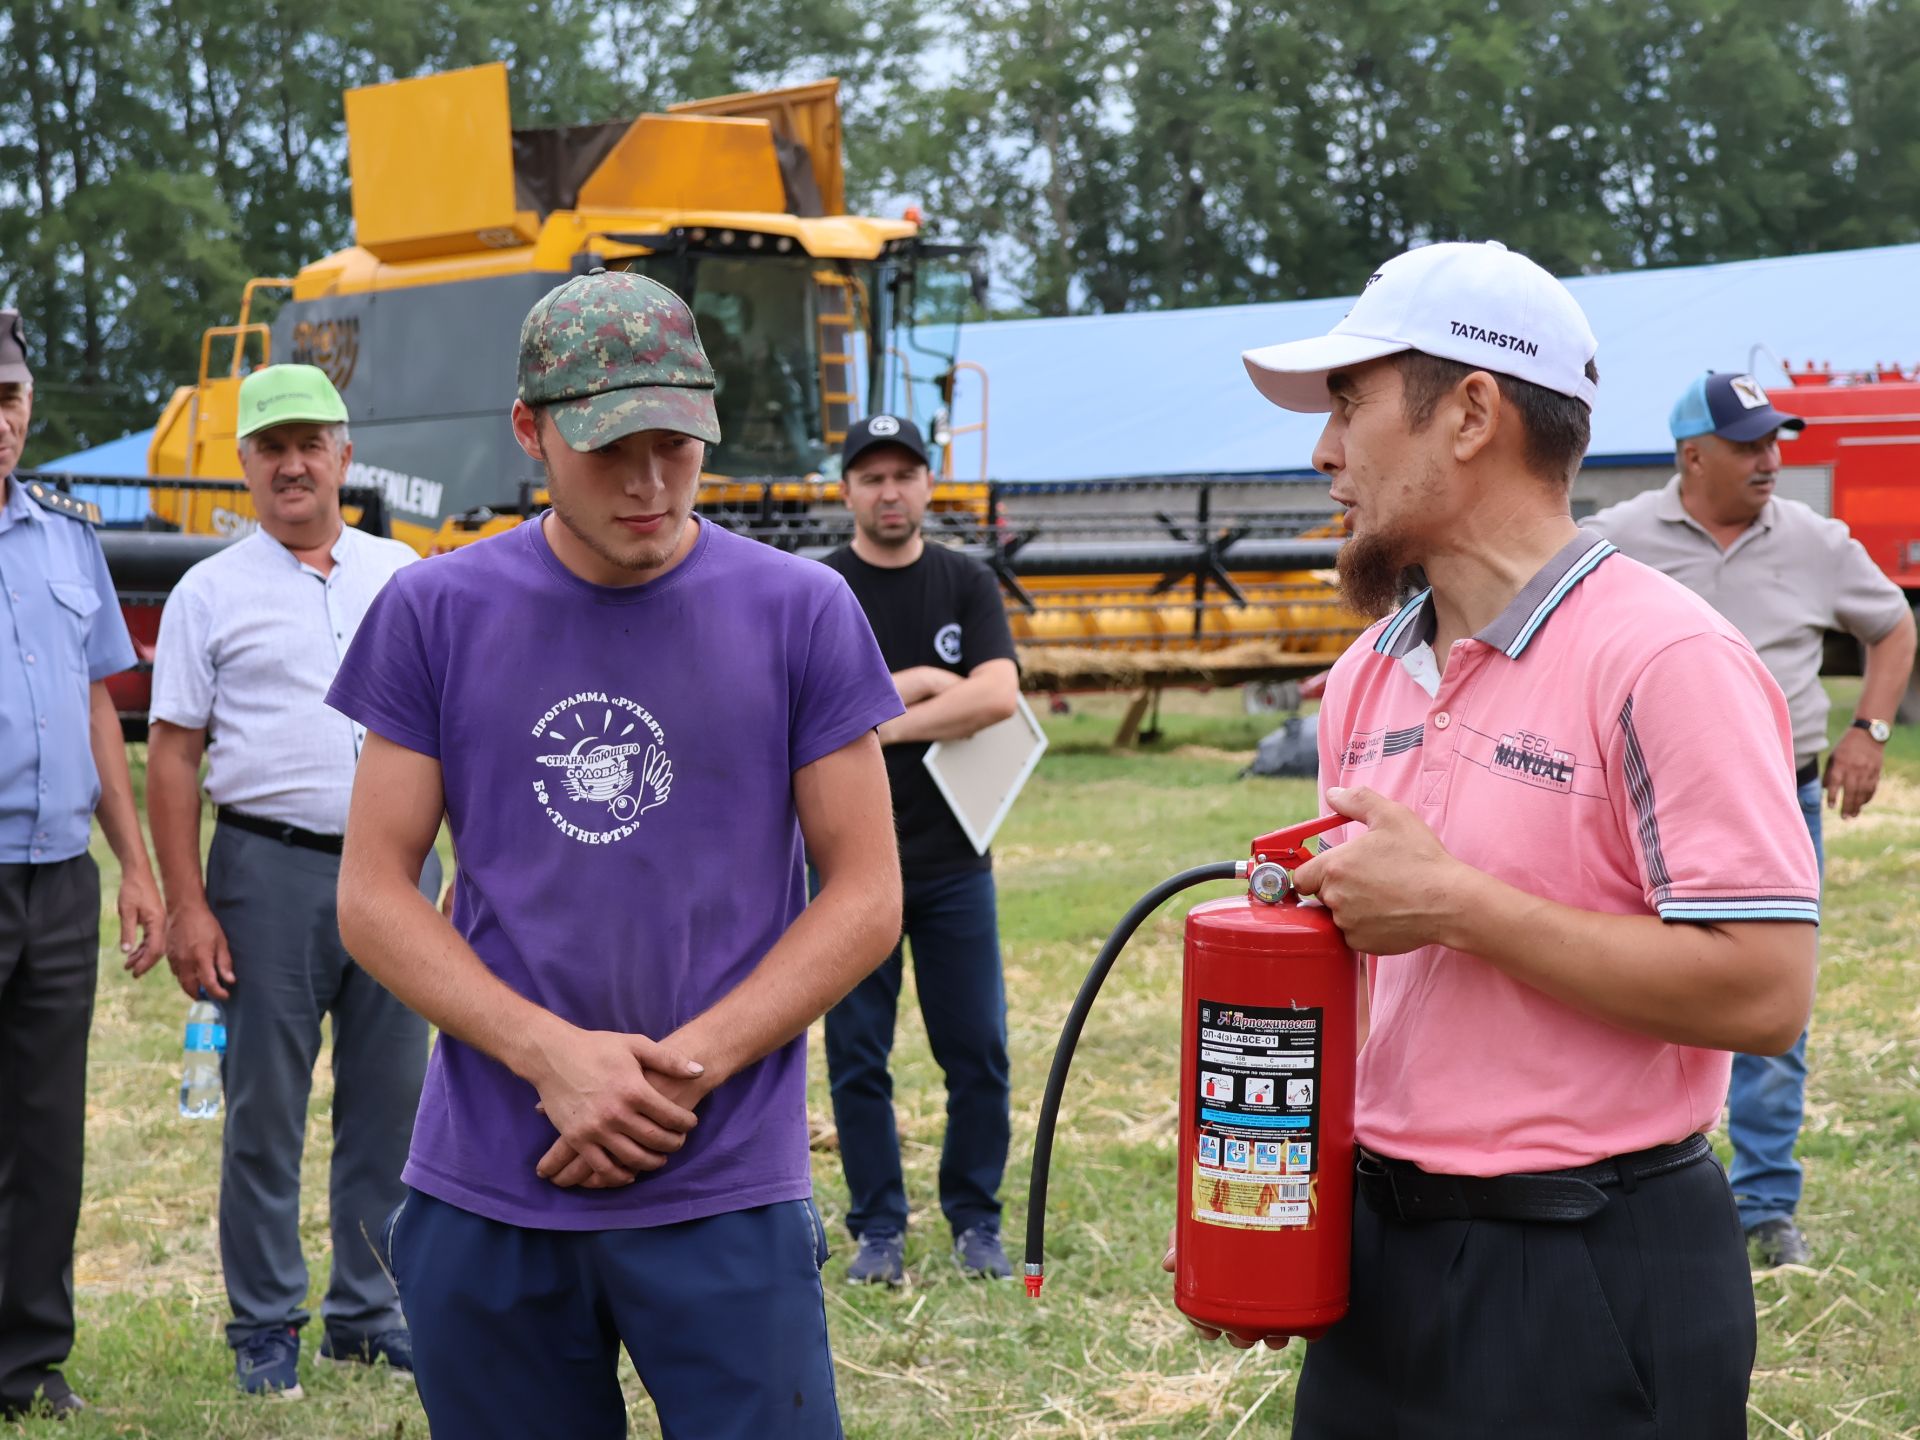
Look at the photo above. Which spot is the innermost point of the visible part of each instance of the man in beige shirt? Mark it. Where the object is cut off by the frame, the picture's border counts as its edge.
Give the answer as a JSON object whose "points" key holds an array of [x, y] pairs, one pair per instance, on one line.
{"points": [[1783, 575]]}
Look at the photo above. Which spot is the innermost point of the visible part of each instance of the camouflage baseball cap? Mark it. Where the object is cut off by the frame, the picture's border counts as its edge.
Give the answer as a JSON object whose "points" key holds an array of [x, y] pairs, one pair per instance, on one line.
{"points": [[610, 354]]}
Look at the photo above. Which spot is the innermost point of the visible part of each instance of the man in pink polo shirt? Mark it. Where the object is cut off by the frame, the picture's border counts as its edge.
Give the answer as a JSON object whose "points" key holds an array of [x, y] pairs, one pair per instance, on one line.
{"points": [[1579, 880]]}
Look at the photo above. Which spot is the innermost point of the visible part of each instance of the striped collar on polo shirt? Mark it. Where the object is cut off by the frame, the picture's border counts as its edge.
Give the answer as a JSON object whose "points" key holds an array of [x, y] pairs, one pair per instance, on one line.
{"points": [[1515, 627]]}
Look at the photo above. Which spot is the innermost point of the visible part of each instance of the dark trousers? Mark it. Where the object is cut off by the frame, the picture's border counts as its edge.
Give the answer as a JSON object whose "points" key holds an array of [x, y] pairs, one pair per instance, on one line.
{"points": [[276, 904], [950, 922], [49, 962], [517, 1332], [1637, 1322]]}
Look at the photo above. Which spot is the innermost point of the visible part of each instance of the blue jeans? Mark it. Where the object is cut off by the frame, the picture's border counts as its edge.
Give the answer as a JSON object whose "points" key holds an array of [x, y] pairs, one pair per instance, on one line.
{"points": [[517, 1332], [950, 922], [1765, 1103]]}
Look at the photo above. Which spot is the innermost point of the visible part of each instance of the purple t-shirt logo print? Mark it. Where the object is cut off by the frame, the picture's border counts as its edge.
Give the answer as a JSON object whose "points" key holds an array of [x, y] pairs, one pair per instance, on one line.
{"points": [[597, 764]]}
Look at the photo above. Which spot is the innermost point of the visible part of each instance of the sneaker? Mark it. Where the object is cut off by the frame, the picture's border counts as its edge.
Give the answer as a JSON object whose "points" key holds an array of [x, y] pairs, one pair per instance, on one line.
{"points": [[66, 1405], [881, 1260], [1778, 1242], [268, 1363], [54, 1401], [393, 1346], [977, 1252]]}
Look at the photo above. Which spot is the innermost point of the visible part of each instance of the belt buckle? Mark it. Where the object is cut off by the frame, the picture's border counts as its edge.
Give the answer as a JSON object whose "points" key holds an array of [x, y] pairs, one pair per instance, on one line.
{"points": [[289, 835], [1373, 1179]]}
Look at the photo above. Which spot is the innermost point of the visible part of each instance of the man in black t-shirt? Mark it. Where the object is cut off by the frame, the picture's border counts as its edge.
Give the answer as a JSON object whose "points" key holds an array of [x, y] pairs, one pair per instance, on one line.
{"points": [[943, 630]]}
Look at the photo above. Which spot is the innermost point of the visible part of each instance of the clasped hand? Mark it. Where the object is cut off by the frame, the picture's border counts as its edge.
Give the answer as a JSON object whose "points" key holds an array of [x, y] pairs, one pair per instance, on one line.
{"points": [[623, 1104]]}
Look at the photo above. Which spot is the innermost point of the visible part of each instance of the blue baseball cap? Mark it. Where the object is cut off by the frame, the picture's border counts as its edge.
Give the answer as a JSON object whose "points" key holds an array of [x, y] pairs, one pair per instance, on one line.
{"points": [[1734, 407]]}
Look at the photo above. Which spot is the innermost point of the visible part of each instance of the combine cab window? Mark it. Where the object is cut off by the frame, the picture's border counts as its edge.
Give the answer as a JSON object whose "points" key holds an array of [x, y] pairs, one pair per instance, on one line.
{"points": [[935, 296], [757, 321], [930, 296]]}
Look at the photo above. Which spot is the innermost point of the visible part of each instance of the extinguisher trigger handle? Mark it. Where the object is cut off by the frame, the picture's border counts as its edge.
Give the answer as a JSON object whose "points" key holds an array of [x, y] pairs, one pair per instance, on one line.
{"points": [[1288, 847]]}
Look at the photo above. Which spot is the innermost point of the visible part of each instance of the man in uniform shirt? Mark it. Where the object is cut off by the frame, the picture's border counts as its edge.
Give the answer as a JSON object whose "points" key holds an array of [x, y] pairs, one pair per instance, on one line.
{"points": [[249, 641], [943, 630], [1784, 576], [61, 762], [1572, 896]]}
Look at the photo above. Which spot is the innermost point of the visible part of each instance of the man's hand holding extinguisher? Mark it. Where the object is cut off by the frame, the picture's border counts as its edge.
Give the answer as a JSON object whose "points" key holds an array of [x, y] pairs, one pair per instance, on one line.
{"points": [[1392, 888]]}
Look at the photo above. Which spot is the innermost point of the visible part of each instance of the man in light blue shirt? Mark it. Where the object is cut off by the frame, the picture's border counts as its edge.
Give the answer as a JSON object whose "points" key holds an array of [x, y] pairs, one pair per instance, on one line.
{"points": [[61, 762]]}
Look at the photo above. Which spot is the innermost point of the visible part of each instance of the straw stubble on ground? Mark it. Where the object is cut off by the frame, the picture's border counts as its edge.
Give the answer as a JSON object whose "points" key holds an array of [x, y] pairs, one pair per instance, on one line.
{"points": [[1104, 1353]]}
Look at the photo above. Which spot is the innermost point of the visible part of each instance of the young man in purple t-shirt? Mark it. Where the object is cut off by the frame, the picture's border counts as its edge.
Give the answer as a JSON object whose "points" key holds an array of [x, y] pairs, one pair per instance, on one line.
{"points": [[632, 721]]}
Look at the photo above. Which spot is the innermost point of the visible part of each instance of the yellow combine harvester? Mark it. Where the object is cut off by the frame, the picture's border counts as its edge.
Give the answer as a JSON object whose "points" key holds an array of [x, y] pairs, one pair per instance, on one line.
{"points": [[812, 317]]}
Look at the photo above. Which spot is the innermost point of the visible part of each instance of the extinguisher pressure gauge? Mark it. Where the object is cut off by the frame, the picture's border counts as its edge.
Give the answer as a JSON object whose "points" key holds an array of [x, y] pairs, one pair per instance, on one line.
{"points": [[1269, 882]]}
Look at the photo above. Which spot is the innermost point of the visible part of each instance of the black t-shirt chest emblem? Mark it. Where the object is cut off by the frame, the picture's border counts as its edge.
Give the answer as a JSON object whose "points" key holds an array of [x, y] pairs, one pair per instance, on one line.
{"points": [[946, 642]]}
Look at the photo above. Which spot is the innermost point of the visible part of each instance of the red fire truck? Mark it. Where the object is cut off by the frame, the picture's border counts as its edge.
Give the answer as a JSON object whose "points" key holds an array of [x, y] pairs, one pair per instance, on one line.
{"points": [[1863, 430]]}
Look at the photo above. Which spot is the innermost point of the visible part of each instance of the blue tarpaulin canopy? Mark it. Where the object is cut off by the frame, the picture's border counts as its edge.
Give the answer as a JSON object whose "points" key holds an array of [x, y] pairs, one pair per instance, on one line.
{"points": [[125, 456]]}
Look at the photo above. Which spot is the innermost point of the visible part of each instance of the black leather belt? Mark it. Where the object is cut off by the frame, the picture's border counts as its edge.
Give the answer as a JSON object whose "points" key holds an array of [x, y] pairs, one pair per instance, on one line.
{"points": [[1399, 1188], [285, 834], [1807, 773]]}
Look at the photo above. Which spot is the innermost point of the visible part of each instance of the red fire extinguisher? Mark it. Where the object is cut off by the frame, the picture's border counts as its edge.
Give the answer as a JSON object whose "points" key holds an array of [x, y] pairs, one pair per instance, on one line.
{"points": [[1264, 1204]]}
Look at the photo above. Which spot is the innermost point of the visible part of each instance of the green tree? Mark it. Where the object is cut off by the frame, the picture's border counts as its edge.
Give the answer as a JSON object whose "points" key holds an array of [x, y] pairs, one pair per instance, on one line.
{"points": [[1130, 155], [160, 154], [80, 238]]}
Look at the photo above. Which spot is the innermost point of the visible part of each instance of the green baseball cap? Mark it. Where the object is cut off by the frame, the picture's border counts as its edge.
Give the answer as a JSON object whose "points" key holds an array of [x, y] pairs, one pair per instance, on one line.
{"points": [[609, 354], [288, 395]]}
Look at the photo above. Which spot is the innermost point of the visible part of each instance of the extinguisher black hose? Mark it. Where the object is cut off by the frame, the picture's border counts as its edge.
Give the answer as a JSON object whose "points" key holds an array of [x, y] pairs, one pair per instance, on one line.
{"points": [[1070, 1038]]}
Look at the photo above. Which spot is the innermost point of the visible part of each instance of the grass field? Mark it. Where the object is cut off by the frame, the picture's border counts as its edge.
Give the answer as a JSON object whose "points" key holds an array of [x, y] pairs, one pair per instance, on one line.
{"points": [[1104, 1353]]}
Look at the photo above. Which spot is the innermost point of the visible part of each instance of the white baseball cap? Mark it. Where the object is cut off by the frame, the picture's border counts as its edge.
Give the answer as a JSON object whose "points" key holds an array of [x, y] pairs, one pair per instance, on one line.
{"points": [[1483, 305]]}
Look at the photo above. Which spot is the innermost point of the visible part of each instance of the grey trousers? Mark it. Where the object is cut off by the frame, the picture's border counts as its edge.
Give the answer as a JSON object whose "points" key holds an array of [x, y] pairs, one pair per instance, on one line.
{"points": [[276, 904], [49, 962]]}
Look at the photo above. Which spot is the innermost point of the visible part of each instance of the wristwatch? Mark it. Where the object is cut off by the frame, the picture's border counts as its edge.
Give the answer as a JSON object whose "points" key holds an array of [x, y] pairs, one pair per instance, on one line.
{"points": [[1880, 730]]}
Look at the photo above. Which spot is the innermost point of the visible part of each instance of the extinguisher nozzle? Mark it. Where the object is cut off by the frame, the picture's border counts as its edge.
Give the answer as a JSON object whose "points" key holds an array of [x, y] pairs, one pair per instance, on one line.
{"points": [[1036, 1277]]}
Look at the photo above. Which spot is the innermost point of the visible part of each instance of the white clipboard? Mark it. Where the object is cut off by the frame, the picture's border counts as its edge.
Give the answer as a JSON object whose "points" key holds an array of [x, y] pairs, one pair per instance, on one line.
{"points": [[981, 776]]}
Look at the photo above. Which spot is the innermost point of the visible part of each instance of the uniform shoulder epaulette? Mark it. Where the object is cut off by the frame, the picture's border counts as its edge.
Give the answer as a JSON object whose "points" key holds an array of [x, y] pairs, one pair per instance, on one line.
{"points": [[61, 503]]}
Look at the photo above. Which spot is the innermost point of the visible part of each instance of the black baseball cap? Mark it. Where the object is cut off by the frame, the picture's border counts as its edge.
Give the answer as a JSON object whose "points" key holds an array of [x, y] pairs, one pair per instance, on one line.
{"points": [[1729, 405], [882, 430]]}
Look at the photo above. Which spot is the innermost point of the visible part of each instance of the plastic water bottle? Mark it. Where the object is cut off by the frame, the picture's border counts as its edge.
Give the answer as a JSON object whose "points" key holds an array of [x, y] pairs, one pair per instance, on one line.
{"points": [[200, 1060]]}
